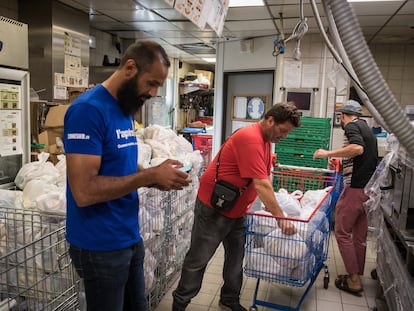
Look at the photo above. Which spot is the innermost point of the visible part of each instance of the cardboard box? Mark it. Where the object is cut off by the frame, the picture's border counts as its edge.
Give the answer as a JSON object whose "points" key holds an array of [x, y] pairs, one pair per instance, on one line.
{"points": [[207, 74], [55, 116], [48, 137], [74, 92]]}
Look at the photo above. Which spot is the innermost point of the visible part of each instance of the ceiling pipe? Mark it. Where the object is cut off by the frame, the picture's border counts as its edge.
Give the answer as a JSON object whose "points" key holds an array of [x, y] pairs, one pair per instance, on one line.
{"points": [[343, 59], [371, 78]]}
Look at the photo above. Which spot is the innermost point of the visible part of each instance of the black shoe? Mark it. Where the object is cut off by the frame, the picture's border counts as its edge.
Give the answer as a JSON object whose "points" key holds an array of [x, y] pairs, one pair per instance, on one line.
{"points": [[232, 307], [177, 307]]}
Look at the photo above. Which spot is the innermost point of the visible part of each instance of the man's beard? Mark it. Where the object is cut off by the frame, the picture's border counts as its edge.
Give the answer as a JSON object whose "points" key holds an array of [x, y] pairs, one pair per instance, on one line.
{"points": [[129, 98]]}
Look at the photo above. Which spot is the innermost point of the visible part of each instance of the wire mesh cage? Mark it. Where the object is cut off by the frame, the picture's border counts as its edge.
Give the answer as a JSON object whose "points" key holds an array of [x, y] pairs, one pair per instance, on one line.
{"points": [[165, 222], [35, 268]]}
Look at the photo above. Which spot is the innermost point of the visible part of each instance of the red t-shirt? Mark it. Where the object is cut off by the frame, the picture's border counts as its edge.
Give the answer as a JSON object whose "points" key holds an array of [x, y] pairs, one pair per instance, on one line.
{"points": [[244, 156]]}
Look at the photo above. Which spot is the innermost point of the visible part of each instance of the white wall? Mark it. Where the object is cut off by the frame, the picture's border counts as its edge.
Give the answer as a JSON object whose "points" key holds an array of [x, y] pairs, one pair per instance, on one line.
{"points": [[396, 63], [313, 52], [261, 58]]}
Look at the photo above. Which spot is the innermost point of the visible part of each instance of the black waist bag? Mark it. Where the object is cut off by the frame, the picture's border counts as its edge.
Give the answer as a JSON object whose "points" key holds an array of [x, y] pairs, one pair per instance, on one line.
{"points": [[224, 195]]}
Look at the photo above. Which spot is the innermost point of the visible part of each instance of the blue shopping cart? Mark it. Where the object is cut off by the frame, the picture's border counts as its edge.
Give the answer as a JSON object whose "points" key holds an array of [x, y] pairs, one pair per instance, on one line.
{"points": [[294, 260]]}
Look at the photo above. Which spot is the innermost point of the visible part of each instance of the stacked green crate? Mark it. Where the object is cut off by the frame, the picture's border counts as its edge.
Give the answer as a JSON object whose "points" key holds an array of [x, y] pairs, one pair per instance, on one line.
{"points": [[298, 147]]}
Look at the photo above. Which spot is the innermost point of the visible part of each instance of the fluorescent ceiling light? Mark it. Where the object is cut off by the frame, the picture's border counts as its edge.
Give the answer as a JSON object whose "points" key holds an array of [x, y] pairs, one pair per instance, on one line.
{"points": [[209, 59], [234, 3]]}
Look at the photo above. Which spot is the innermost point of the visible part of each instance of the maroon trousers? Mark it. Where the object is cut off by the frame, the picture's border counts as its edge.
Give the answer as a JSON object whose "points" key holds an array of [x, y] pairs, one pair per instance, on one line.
{"points": [[351, 228]]}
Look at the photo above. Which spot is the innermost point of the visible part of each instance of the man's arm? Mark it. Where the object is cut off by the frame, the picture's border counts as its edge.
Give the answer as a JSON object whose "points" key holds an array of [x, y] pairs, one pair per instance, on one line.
{"points": [[88, 187], [350, 151], [266, 194]]}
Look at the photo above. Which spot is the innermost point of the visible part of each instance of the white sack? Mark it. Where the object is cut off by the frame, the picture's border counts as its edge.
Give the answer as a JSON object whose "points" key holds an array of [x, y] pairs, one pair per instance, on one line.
{"points": [[41, 169], [288, 203], [286, 249]]}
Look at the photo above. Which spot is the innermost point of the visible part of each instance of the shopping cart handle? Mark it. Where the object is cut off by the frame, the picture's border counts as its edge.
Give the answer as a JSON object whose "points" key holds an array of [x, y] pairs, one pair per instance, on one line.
{"points": [[337, 164]]}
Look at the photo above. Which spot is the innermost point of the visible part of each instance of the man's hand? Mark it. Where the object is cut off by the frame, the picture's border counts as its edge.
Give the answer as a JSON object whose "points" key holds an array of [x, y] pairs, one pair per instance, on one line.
{"points": [[167, 176], [286, 226], [321, 153]]}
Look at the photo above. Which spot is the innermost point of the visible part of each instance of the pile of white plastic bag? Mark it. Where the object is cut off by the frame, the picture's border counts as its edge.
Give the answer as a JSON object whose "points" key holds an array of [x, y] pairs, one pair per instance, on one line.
{"points": [[291, 256]]}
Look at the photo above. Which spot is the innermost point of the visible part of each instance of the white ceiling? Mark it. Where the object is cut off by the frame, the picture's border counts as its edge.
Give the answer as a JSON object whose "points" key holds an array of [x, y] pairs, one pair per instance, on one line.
{"points": [[381, 22]]}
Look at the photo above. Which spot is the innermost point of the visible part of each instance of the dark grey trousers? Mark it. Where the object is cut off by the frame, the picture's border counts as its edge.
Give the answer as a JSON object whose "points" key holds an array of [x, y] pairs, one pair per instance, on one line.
{"points": [[209, 230]]}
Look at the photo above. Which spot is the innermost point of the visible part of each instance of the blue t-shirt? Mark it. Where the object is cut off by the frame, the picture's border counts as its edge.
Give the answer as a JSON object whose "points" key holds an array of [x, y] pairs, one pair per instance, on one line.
{"points": [[95, 125]]}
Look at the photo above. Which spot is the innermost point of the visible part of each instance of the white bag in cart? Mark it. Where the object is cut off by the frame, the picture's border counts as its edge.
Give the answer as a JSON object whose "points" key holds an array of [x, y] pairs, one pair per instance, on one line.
{"points": [[289, 203], [286, 249]]}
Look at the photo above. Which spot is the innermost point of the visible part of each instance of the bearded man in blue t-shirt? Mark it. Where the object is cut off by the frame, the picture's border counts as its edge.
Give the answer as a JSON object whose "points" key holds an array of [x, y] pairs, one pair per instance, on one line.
{"points": [[103, 177]]}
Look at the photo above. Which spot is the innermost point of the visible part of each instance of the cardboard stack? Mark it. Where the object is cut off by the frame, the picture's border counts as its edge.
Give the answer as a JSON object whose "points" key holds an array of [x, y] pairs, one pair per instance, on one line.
{"points": [[51, 136]]}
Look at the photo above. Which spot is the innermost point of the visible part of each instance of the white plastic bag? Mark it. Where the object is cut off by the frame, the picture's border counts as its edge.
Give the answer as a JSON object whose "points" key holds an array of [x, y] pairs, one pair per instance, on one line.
{"points": [[52, 202], [35, 188], [41, 169], [10, 198], [289, 203], [286, 249], [144, 154]]}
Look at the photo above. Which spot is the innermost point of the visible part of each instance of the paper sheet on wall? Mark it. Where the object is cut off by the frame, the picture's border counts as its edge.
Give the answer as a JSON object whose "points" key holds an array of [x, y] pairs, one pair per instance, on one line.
{"points": [[73, 67], [60, 92], [72, 45], [292, 74], [310, 75], [10, 132], [339, 79]]}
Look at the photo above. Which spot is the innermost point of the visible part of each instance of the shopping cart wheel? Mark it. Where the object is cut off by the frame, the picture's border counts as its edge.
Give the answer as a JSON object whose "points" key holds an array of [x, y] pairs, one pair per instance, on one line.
{"points": [[253, 308], [325, 282], [326, 278]]}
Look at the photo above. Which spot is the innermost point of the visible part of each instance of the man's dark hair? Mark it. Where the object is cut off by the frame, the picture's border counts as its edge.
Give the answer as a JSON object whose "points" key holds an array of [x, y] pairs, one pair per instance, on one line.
{"points": [[145, 53], [283, 112]]}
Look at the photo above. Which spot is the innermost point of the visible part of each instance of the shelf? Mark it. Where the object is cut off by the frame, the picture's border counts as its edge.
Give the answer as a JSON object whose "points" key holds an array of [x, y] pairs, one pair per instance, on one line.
{"points": [[186, 88]]}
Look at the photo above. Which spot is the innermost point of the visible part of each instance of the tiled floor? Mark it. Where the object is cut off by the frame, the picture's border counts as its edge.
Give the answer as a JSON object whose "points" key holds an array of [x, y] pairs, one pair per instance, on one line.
{"points": [[318, 298]]}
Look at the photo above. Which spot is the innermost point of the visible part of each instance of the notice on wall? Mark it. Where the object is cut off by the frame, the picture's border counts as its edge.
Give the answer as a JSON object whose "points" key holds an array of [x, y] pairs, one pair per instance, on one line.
{"points": [[10, 132], [60, 92], [73, 66], [9, 96], [310, 75], [72, 45], [292, 74]]}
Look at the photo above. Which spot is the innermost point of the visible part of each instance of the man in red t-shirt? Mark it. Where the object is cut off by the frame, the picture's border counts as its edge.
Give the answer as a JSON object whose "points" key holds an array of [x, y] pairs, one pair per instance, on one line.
{"points": [[245, 160]]}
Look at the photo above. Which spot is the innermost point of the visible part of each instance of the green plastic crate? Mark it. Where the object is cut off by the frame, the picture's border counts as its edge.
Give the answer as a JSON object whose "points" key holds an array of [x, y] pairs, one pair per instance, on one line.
{"points": [[301, 143], [312, 128], [292, 183], [301, 159]]}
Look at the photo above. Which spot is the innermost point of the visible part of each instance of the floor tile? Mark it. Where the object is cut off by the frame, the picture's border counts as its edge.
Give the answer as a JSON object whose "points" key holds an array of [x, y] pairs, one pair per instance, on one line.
{"points": [[317, 299]]}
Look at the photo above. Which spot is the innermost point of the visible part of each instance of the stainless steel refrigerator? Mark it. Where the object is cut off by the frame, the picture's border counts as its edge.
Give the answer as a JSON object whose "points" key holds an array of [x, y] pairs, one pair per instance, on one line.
{"points": [[14, 100]]}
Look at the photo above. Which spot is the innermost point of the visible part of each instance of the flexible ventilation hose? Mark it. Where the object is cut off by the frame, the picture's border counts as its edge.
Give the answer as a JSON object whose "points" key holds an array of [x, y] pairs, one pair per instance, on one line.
{"points": [[342, 58], [369, 74]]}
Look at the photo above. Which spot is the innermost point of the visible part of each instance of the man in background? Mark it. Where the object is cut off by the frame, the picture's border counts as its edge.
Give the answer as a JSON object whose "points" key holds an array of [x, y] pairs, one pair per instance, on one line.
{"points": [[359, 163]]}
